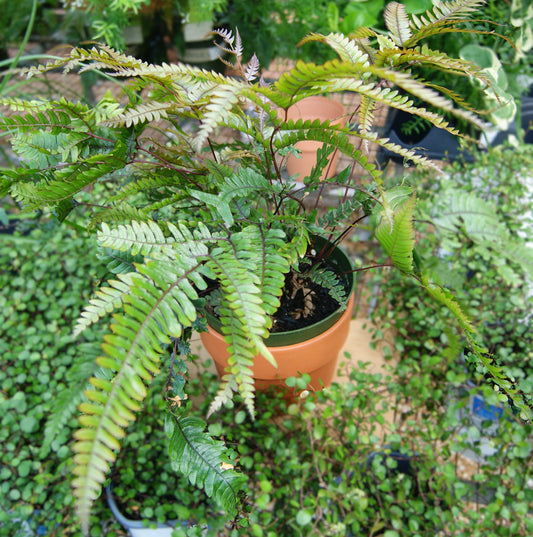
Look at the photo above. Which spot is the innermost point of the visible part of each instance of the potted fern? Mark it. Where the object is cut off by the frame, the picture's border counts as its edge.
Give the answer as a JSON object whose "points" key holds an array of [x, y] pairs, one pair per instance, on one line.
{"points": [[190, 227]]}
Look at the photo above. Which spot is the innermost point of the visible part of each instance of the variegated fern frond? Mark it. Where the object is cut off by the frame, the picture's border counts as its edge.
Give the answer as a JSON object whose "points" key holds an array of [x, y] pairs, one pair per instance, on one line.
{"points": [[467, 214], [396, 233], [158, 303], [250, 268], [444, 16], [398, 23], [368, 81]]}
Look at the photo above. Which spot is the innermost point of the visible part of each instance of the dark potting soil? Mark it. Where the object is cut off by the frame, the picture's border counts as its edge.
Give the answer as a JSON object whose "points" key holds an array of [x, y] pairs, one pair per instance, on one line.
{"points": [[302, 304]]}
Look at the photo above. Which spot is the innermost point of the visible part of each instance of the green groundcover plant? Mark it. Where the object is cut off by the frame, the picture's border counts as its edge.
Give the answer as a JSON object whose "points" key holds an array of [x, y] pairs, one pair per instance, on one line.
{"points": [[371, 455], [44, 288]]}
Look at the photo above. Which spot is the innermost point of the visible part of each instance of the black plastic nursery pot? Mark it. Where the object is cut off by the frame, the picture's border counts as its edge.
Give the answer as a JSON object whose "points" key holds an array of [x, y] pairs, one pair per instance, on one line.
{"points": [[438, 144], [430, 142]]}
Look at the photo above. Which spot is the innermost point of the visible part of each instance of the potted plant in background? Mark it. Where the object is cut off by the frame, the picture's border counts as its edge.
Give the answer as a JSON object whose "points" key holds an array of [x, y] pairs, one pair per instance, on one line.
{"points": [[504, 63], [194, 227], [316, 107], [195, 42]]}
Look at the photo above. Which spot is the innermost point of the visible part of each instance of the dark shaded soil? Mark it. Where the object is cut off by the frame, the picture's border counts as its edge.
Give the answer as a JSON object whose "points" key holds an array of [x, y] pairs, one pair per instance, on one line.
{"points": [[302, 304]]}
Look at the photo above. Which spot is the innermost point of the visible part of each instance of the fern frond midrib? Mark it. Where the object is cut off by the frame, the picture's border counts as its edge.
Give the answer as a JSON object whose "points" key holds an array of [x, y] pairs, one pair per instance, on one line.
{"points": [[117, 385]]}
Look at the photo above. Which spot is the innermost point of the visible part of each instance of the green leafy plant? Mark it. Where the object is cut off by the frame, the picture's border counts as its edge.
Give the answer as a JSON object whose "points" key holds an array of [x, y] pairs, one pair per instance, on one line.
{"points": [[204, 10], [180, 215], [484, 258], [42, 376], [374, 454], [106, 20]]}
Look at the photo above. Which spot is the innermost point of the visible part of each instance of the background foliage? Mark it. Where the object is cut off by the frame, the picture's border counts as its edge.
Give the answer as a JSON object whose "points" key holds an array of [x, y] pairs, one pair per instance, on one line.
{"points": [[44, 287]]}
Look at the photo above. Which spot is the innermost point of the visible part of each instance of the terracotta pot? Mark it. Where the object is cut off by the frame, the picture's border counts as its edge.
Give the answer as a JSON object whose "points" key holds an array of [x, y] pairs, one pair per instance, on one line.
{"points": [[316, 356], [321, 108], [313, 350]]}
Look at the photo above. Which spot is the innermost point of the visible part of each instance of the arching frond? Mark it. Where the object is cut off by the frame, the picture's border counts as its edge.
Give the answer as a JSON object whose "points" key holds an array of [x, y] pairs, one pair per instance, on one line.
{"points": [[137, 237], [506, 388], [251, 279], [397, 23], [158, 306], [105, 301], [69, 180], [349, 50], [443, 14]]}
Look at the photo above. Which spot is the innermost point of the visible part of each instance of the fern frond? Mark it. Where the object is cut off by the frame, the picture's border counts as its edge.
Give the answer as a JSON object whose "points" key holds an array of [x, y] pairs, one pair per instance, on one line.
{"points": [[141, 113], [118, 262], [138, 237], [329, 280], [244, 183], [308, 130], [118, 213], [67, 400], [22, 105], [293, 132], [69, 180], [465, 213], [435, 59], [146, 183], [106, 300], [243, 327], [365, 115], [504, 385], [252, 69], [308, 79], [203, 460], [443, 14], [519, 253], [397, 23], [342, 212], [221, 101], [397, 235], [250, 269], [348, 49], [97, 57], [158, 307]]}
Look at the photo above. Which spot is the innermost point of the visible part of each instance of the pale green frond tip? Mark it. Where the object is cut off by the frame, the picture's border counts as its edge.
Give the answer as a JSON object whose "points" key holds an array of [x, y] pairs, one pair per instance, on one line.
{"points": [[397, 235]]}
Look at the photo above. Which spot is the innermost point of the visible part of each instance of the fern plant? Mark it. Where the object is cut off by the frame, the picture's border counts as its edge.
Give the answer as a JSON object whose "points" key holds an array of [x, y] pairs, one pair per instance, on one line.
{"points": [[181, 219]]}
